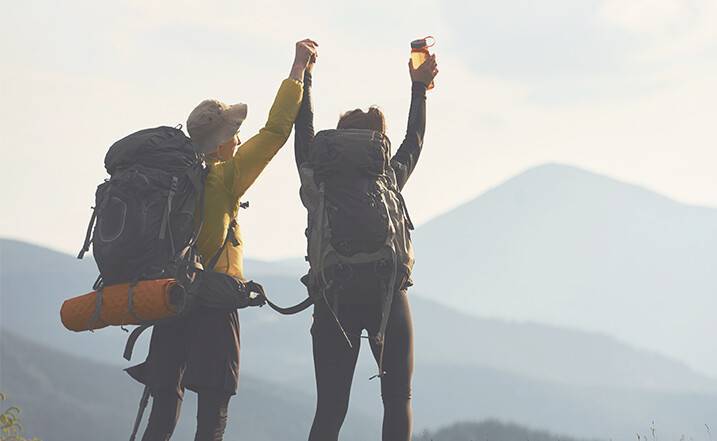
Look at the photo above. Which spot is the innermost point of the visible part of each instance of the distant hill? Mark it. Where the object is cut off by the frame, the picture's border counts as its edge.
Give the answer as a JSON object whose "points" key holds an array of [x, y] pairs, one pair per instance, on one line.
{"points": [[293, 267], [490, 430], [466, 368], [568, 247], [64, 397]]}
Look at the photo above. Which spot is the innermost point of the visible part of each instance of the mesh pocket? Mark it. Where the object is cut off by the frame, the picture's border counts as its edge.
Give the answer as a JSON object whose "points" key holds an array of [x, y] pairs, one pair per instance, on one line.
{"points": [[112, 221]]}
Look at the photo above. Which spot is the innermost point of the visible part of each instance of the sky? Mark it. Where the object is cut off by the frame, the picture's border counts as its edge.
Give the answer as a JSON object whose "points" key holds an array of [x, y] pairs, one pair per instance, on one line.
{"points": [[623, 88]]}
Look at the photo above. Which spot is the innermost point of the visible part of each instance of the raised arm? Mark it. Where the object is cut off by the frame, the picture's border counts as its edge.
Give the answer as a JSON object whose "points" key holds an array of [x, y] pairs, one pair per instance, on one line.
{"points": [[406, 157], [304, 126], [254, 155]]}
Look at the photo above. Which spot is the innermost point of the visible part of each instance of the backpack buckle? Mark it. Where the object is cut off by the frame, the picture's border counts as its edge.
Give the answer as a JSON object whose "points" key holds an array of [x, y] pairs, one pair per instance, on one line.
{"points": [[383, 268], [343, 272]]}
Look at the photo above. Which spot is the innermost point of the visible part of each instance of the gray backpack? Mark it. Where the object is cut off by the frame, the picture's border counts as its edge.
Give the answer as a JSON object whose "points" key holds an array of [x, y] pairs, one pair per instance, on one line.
{"points": [[356, 214]]}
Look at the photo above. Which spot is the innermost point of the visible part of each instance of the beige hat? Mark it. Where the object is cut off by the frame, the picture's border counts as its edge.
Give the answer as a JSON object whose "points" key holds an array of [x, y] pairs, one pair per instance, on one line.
{"points": [[213, 123]]}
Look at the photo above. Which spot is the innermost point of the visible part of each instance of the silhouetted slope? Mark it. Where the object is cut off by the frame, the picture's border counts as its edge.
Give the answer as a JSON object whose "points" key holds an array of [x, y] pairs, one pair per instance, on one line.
{"points": [[68, 398], [34, 282]]}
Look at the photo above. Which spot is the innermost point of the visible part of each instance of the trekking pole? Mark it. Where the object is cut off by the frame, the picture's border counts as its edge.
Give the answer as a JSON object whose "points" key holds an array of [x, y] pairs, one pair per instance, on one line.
{"points": [[140, 412]]}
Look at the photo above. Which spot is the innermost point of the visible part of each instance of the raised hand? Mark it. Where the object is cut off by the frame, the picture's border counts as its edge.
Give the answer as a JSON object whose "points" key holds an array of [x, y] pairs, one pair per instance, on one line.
{"points": [[426, 72], [305, 53]]}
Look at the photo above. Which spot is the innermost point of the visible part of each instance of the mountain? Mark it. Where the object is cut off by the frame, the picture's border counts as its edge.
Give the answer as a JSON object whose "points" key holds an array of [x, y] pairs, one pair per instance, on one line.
{"points": [[467, 368], [64, 397], [564, 246], [283, 267]]}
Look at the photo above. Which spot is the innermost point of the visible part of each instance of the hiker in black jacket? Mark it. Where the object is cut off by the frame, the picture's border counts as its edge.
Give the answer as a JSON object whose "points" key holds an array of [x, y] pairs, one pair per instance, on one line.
{"points": [[356, 302]]}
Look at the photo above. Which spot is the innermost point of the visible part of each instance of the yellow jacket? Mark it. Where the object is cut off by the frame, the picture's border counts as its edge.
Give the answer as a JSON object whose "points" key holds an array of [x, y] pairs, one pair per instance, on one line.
{"points": [[228, 181]]}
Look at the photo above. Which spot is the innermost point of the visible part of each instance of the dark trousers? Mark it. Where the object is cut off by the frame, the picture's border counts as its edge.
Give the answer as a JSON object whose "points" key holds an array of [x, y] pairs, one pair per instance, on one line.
{"points": [[212, 414], [201, 353], [334, 364]]}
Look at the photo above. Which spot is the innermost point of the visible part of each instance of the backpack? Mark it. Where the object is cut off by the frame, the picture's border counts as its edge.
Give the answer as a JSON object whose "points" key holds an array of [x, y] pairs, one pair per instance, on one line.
{"points": [[356, 214], [143, 222], [144, 228]]}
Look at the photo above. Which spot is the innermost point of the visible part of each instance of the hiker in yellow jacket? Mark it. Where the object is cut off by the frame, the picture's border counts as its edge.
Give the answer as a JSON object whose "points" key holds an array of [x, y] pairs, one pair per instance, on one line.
{"points": [[201, 351]]}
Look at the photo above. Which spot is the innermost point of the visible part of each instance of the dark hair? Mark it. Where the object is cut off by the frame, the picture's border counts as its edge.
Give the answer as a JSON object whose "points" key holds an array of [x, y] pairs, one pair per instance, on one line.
{"points": [[358, 119]]}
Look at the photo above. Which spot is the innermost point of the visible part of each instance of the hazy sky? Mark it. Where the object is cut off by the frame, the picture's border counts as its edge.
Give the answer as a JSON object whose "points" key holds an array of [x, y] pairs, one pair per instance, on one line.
{"points": [[622, 87]]}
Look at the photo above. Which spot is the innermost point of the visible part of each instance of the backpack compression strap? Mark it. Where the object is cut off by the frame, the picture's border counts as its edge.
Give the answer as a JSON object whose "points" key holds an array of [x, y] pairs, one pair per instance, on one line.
{"points": [[140, 412]]}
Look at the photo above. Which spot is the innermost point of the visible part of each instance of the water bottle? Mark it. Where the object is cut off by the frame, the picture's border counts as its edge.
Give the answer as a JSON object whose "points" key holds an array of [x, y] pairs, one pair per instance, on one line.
{"points": [[419, 52]]}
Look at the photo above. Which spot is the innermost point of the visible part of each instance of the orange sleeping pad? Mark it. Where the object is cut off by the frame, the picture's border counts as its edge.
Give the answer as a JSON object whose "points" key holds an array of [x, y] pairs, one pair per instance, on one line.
{"points": [[150, 301]]}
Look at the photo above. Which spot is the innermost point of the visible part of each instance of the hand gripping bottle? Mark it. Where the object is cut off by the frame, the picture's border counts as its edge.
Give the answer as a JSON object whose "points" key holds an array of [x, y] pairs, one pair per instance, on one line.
{"points": [[419, 52]]}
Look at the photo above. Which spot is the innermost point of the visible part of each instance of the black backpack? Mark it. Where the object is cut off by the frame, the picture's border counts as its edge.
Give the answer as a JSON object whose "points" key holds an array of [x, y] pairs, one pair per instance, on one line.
{"points": [[143, 223], [357, 218], [364, 209]]}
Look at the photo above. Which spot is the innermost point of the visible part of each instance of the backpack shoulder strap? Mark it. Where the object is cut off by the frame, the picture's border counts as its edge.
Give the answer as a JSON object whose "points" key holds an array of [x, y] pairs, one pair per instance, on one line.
{"points": [[230, 237], [197, 178]]}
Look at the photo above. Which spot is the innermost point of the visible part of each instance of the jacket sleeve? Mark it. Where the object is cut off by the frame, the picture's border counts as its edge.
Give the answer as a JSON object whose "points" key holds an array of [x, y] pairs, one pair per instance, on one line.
{"points": [[254, 155], [304, 126], [405, 159]]}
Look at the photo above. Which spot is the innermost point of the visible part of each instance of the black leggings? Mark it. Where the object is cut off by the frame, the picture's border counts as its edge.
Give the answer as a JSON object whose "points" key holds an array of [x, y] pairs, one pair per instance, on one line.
{"points": [[334, 364], [211, 415]]}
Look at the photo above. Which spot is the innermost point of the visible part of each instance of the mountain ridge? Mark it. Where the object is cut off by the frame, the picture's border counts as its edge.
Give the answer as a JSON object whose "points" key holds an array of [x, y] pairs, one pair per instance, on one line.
{"points": [[64, 397]]}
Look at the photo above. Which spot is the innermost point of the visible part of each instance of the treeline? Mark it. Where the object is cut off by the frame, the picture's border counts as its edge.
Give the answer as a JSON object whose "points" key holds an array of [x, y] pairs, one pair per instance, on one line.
{"points": [[489, 430]]}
